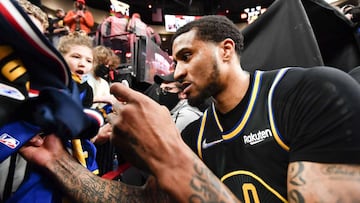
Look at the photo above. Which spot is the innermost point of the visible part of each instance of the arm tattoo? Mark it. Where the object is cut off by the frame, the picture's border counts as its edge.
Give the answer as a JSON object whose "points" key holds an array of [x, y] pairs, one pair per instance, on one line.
{"points": [[295, 173], [296, 196], [206, 186], [295, 178], [82, 186], [321, 182], [341, 172]]}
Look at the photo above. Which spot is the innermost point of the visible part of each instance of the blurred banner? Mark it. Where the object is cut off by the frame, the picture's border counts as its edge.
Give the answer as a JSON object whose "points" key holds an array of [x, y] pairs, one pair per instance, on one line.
{"points": [[300, 33]]}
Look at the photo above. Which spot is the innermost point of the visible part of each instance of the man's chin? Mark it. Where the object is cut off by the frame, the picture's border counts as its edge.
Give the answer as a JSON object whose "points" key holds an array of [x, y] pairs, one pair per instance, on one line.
{"points": [[196, 101]]}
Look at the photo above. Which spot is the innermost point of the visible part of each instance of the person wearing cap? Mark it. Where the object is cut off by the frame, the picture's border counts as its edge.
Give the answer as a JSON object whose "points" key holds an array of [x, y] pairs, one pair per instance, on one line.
{"points": [[80, 18], [170, 95]]}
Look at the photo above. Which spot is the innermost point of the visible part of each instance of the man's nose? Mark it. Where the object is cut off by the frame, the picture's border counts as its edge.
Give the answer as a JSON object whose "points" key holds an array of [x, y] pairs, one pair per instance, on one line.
{"points": [[179, 73]]}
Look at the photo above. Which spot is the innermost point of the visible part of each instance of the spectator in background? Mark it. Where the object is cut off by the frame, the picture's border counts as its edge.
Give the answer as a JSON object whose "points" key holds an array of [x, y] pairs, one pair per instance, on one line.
{"points": [[137, 28], [104, 60], [80, 18], [38, 16], [170, 95], [114, 29], [57, 27], [106, 66], [136, 25], [76, 48]]}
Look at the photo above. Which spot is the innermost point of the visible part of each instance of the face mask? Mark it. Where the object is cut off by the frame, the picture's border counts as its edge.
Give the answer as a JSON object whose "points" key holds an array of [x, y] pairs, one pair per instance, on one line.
{"points": [[101, 71], [84, 78], [169, 99]]}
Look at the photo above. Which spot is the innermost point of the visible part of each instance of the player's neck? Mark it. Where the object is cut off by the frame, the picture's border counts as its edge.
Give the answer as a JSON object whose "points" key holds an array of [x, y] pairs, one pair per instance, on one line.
{"points": [[233, 92]]}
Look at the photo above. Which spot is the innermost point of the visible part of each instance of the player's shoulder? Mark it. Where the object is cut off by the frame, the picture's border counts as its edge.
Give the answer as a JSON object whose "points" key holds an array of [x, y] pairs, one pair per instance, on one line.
{"points": [[318, 75], [355, 73], [313, 81], [318, 72]]}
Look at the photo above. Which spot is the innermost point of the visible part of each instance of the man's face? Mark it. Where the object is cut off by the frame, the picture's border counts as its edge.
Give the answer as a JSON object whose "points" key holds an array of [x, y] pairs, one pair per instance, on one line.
{"points": [[80, 6], [197, 67]]}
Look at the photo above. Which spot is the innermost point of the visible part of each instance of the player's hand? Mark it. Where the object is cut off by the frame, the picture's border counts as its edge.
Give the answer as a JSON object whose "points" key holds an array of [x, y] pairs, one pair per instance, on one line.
{"points": [[43, 150], [103, 135], [142, 129]]}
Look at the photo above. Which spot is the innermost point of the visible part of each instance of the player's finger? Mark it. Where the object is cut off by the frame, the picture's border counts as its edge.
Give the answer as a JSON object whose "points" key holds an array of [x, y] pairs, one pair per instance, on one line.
{"points": [[123, 93]]}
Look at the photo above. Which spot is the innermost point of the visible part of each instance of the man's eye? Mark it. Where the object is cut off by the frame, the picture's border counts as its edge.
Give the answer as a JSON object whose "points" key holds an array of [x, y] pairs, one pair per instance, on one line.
{"points": [[186, 57], [173, 65]]}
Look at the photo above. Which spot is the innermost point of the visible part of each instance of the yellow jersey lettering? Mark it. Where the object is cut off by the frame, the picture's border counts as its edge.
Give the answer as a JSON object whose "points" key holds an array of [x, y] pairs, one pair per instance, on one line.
{"points": [[13, 70]]}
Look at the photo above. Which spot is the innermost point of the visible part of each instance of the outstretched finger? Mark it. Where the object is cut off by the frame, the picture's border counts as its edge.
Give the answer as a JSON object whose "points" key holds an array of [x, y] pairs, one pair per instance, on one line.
{"points": [[124, 94]]}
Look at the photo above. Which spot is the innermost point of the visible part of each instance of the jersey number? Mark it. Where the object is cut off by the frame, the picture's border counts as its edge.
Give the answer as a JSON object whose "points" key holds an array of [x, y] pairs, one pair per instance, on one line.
{"points": [[250, 190]]}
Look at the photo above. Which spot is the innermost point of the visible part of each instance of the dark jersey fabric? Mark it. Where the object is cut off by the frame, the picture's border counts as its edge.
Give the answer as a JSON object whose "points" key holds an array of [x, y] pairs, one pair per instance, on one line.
{"points": [[287, 115]]}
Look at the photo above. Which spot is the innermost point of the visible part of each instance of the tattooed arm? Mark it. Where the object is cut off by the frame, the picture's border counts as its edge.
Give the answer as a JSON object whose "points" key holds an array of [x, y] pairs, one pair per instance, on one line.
{"points": [[315, 182], [79, 183], [189, 181], [82, 186]]}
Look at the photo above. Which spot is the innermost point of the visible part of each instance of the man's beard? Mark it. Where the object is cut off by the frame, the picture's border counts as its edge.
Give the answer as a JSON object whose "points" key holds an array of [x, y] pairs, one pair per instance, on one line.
{"points": [[210, 90]]}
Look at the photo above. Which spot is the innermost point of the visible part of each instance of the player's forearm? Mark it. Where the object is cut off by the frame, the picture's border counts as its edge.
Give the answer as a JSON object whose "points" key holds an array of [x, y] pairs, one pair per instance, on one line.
{"points": [[197, 182], [319, 182], [83, 186]]}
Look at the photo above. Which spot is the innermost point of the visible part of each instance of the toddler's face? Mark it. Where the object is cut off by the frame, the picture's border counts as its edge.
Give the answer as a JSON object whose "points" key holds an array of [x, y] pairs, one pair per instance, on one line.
{"points": [[80, 60]]}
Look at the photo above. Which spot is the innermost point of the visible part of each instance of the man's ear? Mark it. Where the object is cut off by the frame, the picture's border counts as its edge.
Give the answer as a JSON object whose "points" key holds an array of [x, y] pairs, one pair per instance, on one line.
{"points": [[228, 49]]}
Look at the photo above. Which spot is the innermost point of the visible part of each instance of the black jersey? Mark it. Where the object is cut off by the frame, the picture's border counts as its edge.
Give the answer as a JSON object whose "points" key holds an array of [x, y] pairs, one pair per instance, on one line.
{"points": [[287, 115]]}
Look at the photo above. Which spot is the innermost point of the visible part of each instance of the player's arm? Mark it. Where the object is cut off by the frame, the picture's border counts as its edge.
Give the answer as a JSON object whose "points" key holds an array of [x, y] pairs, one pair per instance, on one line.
{"points": [[190, 180], [186, 179], [83, 186], [78, 183], [315, 182]]}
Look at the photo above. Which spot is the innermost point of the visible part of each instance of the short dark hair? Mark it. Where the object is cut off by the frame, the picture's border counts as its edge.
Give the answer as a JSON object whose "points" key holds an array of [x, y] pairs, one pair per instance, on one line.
{"points": [[214, 28]]}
